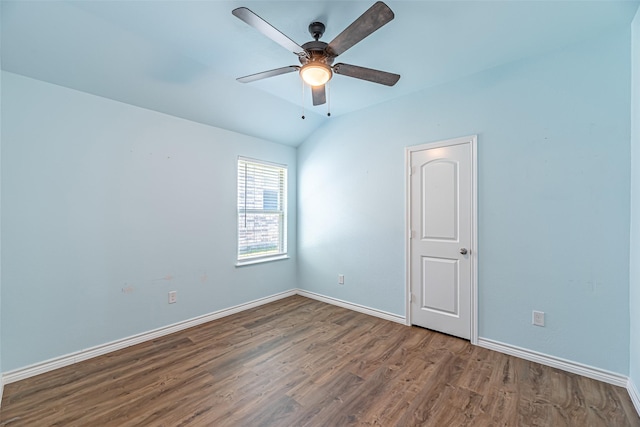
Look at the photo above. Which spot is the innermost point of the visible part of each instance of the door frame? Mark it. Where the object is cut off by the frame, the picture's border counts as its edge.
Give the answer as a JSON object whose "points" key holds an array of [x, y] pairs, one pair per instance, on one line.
{"points": [[472, 140]]}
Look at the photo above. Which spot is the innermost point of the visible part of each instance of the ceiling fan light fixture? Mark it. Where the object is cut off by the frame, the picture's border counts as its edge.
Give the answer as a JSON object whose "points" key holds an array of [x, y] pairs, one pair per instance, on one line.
{"points": [[316, 73]]}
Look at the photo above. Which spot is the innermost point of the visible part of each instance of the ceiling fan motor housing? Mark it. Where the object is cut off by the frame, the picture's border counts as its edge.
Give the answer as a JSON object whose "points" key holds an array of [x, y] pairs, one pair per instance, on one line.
{"points": [[317, 52]]}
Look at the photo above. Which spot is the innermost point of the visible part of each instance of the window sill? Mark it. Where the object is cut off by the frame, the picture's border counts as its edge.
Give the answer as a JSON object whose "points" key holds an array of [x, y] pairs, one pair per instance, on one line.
{"points": [[255, 261]]}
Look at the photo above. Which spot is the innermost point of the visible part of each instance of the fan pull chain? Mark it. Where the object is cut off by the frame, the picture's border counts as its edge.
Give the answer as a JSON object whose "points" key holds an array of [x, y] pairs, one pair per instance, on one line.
{"points": [[302, 99], [328, 89]]}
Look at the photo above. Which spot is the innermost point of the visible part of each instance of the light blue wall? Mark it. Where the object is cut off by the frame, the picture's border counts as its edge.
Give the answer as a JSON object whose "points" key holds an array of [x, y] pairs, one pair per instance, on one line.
{"points": [[107, 207], [634, 287], [553, 188]]}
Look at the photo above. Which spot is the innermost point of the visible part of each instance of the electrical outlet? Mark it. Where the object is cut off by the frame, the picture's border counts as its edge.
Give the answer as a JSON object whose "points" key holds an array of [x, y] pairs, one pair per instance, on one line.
{"points": [[538, 318], [340, 279], [173, 297]]}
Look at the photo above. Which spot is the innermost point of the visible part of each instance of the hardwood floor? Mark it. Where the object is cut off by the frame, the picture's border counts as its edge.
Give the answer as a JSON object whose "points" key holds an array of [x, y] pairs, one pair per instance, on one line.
{"points": [[300, 362]]}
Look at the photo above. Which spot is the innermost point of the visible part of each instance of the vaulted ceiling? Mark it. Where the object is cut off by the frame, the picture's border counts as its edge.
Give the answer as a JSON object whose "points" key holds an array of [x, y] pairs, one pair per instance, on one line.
{"points": [[182, 57]]}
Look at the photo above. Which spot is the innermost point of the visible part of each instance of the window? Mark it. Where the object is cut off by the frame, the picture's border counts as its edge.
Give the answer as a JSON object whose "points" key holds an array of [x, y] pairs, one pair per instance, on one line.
{"points": [[262, 202]]}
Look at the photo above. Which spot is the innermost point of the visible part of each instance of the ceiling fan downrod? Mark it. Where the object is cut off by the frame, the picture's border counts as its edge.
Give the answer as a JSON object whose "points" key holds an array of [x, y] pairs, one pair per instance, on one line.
{"points": [[316, 29]]}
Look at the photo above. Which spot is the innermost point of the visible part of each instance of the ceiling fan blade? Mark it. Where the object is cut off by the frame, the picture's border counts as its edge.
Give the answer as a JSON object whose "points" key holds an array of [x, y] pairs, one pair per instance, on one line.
{"points": [[268, 30], [375, 17], [375, 76], [265, 74], [319, 95]]}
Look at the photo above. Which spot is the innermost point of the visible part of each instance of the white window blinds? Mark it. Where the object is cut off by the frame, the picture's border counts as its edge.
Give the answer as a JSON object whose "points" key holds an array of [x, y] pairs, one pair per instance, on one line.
{"points": [[261, 209]]}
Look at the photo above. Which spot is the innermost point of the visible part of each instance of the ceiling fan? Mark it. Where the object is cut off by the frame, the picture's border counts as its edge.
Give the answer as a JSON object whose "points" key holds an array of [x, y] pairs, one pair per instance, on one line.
{"points": [[316, 57]]}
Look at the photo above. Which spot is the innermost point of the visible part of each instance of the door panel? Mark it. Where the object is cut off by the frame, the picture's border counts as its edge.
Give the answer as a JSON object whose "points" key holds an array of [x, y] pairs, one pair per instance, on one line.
{"points": [[437, 298], [441, 227], [439, 196]]}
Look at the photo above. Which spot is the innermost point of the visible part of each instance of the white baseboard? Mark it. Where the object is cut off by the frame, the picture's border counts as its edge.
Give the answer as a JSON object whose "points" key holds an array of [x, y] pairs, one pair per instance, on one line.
{"points": [[79, 356], [634, 395], [556, 362], [351, 306]]}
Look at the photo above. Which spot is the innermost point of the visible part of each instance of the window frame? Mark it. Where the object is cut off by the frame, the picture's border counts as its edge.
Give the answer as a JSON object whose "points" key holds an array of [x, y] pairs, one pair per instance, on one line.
{"points": [[282, 198]]}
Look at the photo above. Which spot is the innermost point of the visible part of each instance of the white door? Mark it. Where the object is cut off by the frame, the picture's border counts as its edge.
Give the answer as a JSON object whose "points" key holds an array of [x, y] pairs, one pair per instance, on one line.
{"points": [[442, 244]]}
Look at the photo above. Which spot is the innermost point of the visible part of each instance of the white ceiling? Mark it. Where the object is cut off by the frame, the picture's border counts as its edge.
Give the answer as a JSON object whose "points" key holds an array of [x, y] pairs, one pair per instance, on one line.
{"points": [[182, 57]]}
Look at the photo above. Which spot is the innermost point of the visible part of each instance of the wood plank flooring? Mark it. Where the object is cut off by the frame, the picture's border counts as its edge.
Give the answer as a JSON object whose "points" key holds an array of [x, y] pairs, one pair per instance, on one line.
{"points": [[300, 362]]}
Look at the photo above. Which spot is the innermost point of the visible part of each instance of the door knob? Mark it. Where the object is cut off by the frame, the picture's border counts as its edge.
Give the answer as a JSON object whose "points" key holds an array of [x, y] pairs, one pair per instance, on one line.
{"points": [[463, 251]]}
